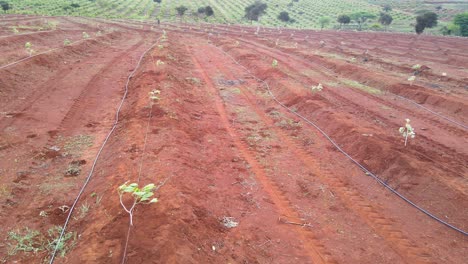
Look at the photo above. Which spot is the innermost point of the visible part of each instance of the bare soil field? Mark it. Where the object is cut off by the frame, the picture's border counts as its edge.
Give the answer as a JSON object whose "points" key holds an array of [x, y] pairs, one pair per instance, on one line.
{"points": [[253, 163]]}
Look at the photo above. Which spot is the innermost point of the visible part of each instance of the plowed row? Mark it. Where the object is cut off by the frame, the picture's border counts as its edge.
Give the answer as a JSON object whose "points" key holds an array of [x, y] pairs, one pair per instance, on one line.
{"points": [[225, 140]]}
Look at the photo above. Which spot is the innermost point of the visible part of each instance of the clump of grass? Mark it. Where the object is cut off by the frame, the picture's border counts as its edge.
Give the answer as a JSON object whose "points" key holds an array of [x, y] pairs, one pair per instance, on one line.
{"points": [[361, 86], [193, 80], [77, 144], [26, 240], [73, 170]]}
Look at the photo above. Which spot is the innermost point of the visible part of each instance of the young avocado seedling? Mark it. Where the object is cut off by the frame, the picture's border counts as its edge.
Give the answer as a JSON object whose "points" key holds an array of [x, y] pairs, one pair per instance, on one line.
{"points": [[140, 196], [407, 131]]}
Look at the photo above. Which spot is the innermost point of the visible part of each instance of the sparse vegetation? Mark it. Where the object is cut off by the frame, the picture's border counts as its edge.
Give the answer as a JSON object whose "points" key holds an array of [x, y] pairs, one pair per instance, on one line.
{"points": [[27, 240]]}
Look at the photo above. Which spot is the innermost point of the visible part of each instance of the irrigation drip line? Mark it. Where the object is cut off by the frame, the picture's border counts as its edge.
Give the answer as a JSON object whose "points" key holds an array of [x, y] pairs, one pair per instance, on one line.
{"points": [[431, 111], [368, 172], [419, 105], [42, 53], [127, 239], [29, 33], [88, 178]]}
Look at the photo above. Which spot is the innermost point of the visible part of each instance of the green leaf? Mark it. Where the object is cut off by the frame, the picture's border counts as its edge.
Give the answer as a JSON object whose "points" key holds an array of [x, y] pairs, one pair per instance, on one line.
{"points": [[149, 187], [154, 200]]}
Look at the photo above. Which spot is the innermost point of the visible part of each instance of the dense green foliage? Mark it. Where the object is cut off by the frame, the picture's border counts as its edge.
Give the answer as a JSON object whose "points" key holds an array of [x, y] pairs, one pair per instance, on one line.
{"points": [[461, 20], [284, 16], [5, 5], [385, 19], [426, 20], [361, 17], [255, 10], [343, 19]]}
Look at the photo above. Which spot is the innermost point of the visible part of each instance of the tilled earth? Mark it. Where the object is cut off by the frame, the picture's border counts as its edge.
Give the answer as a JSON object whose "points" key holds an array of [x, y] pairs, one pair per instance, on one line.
{"points": [[248, 156]]}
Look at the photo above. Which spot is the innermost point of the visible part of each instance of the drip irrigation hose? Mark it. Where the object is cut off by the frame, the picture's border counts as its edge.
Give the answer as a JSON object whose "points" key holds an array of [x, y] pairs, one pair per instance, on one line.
{"points": [[421, 106], [368, 172], [88, 178], [431, 111], [28, 33], [127, 239], [42, 53]]}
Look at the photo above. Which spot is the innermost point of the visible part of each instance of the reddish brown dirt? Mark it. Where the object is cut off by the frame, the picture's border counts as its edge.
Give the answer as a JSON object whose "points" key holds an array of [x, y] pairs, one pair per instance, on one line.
{"points": [[224, 148]]}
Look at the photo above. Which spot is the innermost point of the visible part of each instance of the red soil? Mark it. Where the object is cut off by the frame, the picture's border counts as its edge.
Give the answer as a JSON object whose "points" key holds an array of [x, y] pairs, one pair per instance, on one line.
{"points": [[224, 148]]}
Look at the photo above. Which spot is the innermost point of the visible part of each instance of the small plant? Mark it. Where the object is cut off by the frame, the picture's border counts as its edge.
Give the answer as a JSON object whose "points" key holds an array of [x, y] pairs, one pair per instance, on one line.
{"points": [[411, 79], [160, 47], [29, 48], [26, 240], [15, 30], [84, 209], [85, 35], [63, 246], [274, 64], [154, 95], [407, 131], [142, 196], [66, 42], [317, 88], [416, 67], [159, 63]]}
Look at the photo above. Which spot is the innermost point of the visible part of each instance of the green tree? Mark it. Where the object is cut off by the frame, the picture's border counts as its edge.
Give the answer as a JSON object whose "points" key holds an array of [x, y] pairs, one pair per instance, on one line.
{"points": [[385, 19], [5, 6], [284, 16], [426, 20], [181, 10], [361, 17], [461, 20], [209, 11], [387, 8], [343, 19], [254, 11], [324, 21]]}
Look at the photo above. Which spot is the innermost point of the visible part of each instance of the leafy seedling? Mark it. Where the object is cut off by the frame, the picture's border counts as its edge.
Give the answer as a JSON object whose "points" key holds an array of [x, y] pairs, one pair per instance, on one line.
{"points": [[411, 79], [407, 131], [85, 35], [317, 88], [159, 63], [274, 64], [140, 196], [29, 49], [66, 42], [154, 95]]}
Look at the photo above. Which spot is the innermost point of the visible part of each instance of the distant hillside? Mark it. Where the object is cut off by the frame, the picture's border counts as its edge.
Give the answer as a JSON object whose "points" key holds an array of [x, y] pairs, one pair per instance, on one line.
{"points": [[304, 13]]}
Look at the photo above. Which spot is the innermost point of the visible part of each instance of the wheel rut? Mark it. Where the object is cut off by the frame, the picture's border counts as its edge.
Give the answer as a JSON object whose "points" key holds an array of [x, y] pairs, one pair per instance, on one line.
{"points": [[312, 246], [387, 227]]}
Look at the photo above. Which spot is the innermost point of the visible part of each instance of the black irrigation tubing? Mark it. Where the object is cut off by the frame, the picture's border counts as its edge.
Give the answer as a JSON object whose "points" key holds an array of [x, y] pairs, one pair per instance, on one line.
{"points": [[88, 178], [42, 53], [127, 239], [431, 111], [28, 33], [368, 172]]}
